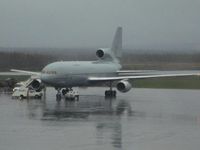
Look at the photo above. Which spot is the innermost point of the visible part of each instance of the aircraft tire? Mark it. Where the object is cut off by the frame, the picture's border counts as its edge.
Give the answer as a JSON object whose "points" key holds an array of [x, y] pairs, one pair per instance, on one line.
{"points": [[110, 93], [21, 97], [64, 91], [58, 97]]}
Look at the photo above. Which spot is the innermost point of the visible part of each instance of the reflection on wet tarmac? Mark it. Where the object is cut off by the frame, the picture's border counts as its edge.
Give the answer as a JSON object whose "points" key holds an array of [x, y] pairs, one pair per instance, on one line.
{"points": [[89, 105], [139, 120], [78, 109]]}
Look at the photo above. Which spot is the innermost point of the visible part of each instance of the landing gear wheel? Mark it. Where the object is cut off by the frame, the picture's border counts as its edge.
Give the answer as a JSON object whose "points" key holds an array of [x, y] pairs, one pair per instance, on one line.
{"points": [[37, 97], [21, 97], [77, 98], [64, 91], [110, 94], [115, 93], [58, 97]]}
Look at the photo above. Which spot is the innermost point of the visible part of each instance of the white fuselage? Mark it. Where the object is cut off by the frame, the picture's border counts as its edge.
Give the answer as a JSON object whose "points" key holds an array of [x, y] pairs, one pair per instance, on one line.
{"points": [[71, 73]]}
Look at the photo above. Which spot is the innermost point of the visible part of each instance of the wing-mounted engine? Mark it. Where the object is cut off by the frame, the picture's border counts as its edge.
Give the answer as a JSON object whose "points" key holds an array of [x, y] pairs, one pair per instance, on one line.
{"points": [[36, 85], [104, 54], [123, 86]]}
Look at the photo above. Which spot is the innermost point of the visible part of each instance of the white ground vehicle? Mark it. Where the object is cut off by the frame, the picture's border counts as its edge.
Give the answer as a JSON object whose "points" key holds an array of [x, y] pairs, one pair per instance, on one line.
{"points": [[72, 95], [23, 92]]}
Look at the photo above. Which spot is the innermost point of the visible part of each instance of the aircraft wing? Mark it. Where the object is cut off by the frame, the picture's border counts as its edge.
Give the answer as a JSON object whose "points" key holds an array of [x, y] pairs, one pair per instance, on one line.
{"points": [[26, 72], [153, 72], [142, 76], [11, 74]]}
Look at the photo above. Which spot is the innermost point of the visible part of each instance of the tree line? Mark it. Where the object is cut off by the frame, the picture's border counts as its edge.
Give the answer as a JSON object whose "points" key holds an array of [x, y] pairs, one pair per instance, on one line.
{"points": [[36, 61]]}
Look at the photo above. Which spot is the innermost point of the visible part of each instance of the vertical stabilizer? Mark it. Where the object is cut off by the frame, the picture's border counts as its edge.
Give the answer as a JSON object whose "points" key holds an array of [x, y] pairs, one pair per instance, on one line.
{"points": [[117, 43]]}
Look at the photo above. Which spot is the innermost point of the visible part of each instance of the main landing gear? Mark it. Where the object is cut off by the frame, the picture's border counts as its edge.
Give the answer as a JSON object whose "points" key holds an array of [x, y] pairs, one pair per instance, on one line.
{"points": [[110, 93]]}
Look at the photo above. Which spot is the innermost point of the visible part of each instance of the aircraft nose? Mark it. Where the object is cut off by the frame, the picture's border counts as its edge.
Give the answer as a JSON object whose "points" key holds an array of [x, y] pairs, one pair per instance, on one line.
{"points": [[44, 75], [48, 73]]}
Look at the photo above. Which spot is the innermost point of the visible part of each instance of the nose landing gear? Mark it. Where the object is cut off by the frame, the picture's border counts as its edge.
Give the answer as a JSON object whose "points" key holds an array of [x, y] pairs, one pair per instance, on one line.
{"points": [[58, 95]]}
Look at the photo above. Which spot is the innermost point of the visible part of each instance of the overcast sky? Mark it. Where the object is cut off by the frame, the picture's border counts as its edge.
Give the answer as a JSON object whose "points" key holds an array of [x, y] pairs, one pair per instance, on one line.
{"points": [[148, 24]]}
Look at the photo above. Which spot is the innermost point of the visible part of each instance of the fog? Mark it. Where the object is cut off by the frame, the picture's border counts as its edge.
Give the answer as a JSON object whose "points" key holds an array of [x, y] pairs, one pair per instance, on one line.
{"points": [[147, 24]]}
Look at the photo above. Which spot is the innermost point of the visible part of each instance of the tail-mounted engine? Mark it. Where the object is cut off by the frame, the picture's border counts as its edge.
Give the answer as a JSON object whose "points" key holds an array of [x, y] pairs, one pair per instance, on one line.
{"points": [[104, 54], [123, 86]]}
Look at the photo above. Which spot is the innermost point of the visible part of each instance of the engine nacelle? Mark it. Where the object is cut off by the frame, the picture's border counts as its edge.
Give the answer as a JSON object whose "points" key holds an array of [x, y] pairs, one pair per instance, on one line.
{"points": [[103, 53], [36, 85], [123, 86]]}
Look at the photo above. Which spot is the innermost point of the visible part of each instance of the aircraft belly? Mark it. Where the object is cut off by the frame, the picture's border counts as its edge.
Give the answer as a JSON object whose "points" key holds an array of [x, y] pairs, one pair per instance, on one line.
{"points": [[72, 80], [67, 81]]}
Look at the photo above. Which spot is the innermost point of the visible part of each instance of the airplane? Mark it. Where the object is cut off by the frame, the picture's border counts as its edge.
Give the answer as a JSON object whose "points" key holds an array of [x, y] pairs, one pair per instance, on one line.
{"points": [[64, 75]]}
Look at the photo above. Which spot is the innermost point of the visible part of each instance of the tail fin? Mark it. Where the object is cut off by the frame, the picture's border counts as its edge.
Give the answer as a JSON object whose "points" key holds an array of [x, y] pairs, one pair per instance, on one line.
{"points": [[117, 43]]}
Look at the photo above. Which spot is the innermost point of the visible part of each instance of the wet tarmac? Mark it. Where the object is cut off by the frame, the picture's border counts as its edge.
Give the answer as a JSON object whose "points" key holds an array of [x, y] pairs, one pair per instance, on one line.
{"points": [[142, 119]]}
